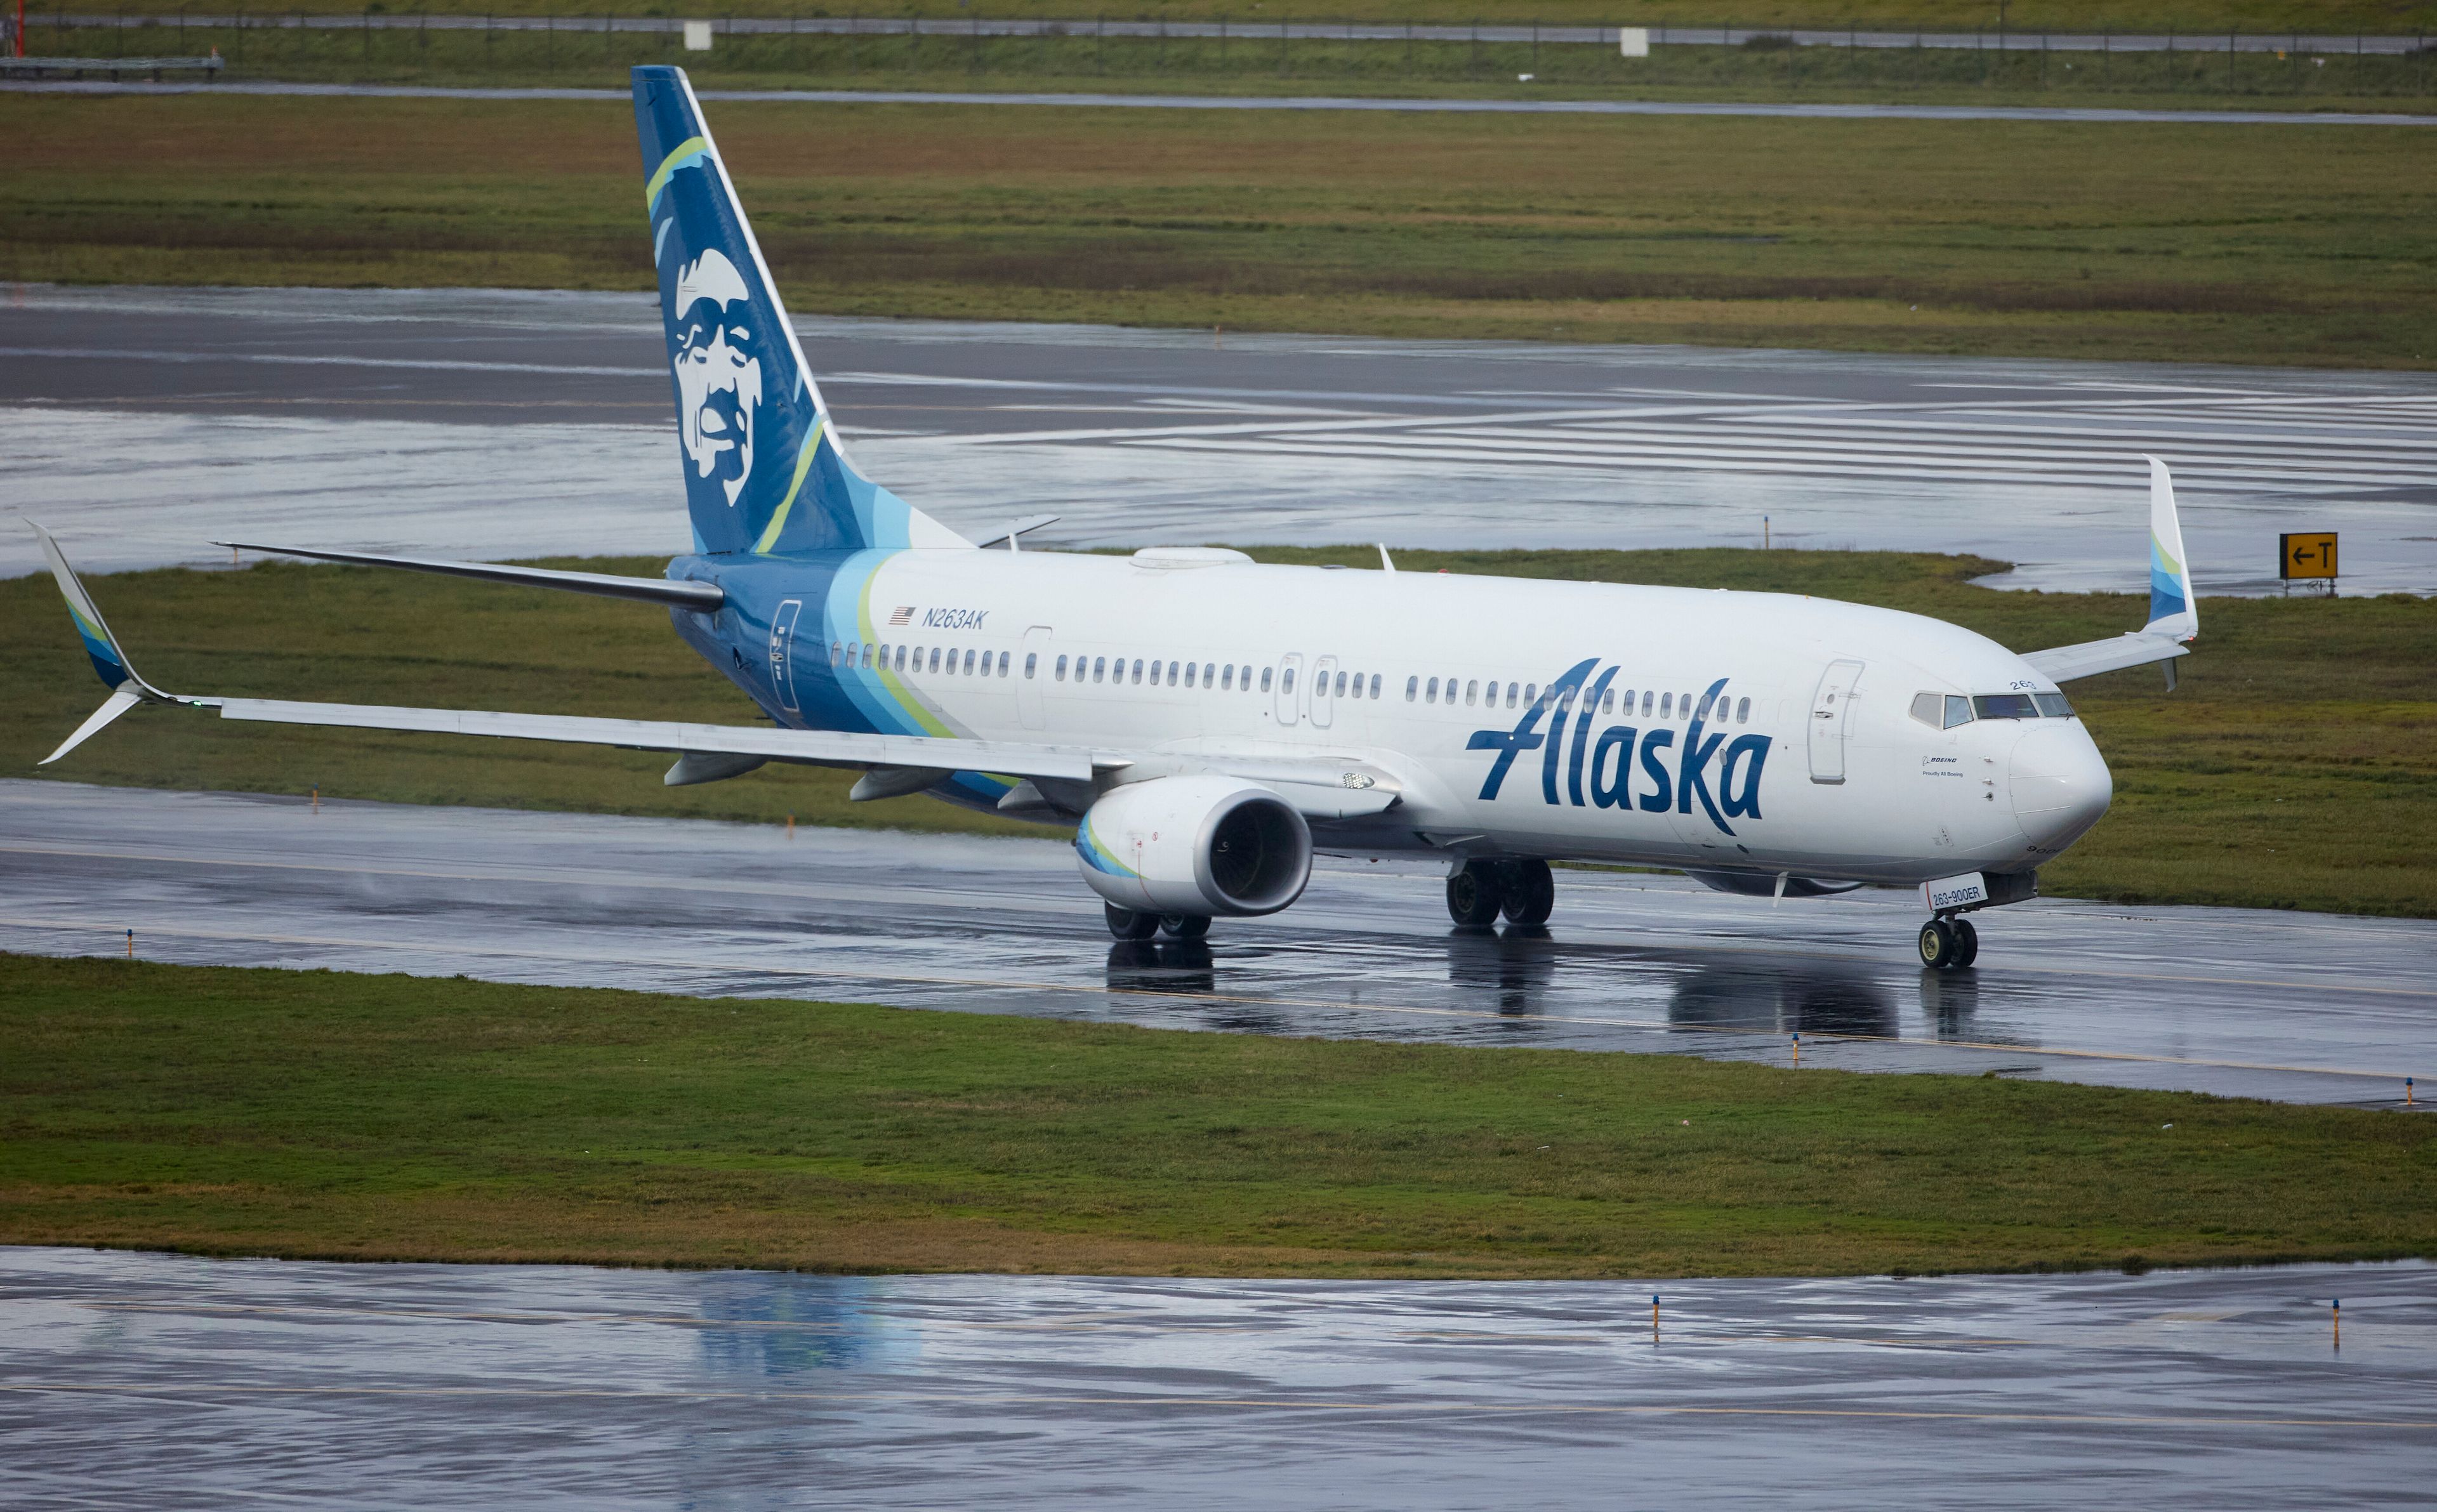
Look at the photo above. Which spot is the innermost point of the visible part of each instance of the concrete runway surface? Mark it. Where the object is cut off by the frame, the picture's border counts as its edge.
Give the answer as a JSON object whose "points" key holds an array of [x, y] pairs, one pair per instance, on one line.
{"points": [[2291, 1006], [148, 1380], [143, 424]]}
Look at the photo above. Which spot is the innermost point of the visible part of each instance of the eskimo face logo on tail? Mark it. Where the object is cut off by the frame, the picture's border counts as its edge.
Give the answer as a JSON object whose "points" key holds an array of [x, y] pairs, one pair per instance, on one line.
{"points": [[719, 371]]}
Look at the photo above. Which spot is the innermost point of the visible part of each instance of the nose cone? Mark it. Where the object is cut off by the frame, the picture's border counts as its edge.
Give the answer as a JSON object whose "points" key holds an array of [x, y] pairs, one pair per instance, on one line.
{"points": [[2060, 784]]}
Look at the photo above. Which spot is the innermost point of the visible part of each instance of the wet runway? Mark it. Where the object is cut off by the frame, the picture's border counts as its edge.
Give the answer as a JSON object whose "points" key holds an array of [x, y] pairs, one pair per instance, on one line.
{"points": [[2291, 1006], [142, 1380], [145, 422]]}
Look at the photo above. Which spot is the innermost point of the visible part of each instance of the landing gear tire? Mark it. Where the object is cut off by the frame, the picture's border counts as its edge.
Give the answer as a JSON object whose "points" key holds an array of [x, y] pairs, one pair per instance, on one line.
{"points": [[1185, 925], [1129, 924], [1475, 896], [1530, 893], [1949, 944]]}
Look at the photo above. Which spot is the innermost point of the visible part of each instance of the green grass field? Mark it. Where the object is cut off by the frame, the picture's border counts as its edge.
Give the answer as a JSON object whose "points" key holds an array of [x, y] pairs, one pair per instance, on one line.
{"points": [[2214, 17], [392, 1118], [2296, 768], [2243, 244]]}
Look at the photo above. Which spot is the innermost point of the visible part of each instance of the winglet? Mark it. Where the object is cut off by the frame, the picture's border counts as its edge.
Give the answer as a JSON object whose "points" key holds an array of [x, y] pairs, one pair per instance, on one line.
{"points": [[2173, 608], [127, 688]]}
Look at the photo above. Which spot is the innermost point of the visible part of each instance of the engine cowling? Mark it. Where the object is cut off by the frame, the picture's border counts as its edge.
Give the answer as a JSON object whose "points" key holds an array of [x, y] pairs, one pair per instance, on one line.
{"points": [[1205, 845]]}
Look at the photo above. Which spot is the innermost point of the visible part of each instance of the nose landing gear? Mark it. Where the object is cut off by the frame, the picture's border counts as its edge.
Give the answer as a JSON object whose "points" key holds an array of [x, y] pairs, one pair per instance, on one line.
{"points": [[1949, 944]]}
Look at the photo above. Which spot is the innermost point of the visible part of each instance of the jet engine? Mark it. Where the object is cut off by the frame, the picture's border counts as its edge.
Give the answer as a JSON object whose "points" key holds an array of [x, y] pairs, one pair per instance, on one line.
{"points": [[1195, 845]]}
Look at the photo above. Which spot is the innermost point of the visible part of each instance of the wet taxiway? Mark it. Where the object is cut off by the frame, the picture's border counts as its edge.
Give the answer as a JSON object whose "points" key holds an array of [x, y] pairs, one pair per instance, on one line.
{"points": [[144, 424], [2298, 1007], [146, 1379]]}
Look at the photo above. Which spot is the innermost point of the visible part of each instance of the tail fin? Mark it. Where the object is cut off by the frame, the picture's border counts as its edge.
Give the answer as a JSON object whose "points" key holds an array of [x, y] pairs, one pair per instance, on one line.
{"points": [[2173, 609], [763, 470]]}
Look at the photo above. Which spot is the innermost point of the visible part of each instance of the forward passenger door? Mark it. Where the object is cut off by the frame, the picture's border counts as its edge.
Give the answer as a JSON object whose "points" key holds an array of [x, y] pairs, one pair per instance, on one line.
{"points": [[1830, 706]]}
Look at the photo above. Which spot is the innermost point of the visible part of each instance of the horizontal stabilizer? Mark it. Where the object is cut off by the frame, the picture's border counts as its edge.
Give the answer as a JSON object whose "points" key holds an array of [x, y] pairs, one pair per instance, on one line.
{"points": [[702, 598]]}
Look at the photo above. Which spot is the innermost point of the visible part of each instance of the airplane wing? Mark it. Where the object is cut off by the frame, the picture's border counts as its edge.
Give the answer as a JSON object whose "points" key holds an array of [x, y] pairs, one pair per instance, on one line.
{"points": [[2091, 657], [1321, 788], [2174, 609]]}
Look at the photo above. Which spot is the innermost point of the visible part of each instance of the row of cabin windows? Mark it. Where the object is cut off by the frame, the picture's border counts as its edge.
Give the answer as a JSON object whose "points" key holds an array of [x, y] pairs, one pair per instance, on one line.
{"points": [[1230, 676], [901, 658], [1517, 695]]}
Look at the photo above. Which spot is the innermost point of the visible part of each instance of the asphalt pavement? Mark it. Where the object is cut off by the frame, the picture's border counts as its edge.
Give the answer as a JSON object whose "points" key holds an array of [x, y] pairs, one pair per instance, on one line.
{"points": [[144, 424], [2291, 1006], [155, 1381]]}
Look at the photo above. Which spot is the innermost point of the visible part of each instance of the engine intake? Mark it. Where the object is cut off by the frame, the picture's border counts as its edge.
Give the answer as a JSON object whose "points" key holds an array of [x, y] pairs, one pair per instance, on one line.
{"points": [[1198, 845]]}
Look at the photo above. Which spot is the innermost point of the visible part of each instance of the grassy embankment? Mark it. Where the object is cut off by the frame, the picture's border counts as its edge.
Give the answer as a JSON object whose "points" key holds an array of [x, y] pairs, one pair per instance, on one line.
{"points": [[303, 1114], [2296, 768], [579, 49], [2245, 243]]}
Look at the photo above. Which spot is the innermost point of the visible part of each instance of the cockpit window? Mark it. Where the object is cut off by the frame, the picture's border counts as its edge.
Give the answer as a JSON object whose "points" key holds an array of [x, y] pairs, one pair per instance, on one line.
{"points": [[2053, 706], [2005, 706], [1941, 711]]}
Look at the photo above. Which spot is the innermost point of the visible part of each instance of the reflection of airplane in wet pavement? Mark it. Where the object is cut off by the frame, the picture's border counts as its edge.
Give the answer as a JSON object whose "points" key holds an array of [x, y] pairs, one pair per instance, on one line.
{"points": [[1204, 725]]}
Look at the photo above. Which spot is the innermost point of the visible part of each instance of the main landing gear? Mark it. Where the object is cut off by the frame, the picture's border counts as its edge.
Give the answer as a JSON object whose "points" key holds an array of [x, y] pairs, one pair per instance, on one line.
{"points": [[1478, 892], [1133, 924], [1948, 944]]}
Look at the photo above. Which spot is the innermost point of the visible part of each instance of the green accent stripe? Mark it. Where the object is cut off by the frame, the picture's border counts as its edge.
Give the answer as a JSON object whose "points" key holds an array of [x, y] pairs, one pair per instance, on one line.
{"points": [[889, 678], [804, 466], [660, 178]]}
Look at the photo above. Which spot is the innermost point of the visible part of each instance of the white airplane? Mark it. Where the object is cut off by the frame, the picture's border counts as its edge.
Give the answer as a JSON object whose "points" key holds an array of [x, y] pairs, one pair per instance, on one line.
{"points": [[1204, 725]]}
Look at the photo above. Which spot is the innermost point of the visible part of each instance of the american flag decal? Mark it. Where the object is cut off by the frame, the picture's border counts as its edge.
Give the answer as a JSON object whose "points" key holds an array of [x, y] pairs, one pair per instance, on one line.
{"points": [[903, 617]]}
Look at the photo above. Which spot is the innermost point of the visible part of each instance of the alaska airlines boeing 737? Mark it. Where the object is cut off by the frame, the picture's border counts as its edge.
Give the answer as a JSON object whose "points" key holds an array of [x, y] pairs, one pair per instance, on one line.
{"points": [[1204, 725]]}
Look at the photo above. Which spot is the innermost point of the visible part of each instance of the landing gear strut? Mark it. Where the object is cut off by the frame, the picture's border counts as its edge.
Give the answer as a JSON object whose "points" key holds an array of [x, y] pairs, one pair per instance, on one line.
{"points": [[1949, 944], [1481, 891]]}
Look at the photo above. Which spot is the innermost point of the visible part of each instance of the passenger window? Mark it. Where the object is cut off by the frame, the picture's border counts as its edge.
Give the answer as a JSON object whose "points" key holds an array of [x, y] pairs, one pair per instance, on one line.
{"points": [[1031, 664], [1099, 668], [1341, 685], [1267, 672], [934, 658], [1192, 674], [1646, 697], [1958, 710], [1285, 684], [1512, 691], [1155, 674], [1608, 701], [853, 649], [1531, 694], [1138, 668], [1468, 689], [1375, 685], [2052, 706], [969, 664], [834, 652], [1667, 706], [1060, 668], [1003, 657], [1430, 691], [1703, 712], [1742, 711], [901, 658], [1227, 677], [1414, 688]]}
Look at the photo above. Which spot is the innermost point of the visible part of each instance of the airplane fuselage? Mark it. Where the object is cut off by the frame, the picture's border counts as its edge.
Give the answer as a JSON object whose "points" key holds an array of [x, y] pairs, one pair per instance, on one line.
{"points": [[1712, 730]]}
